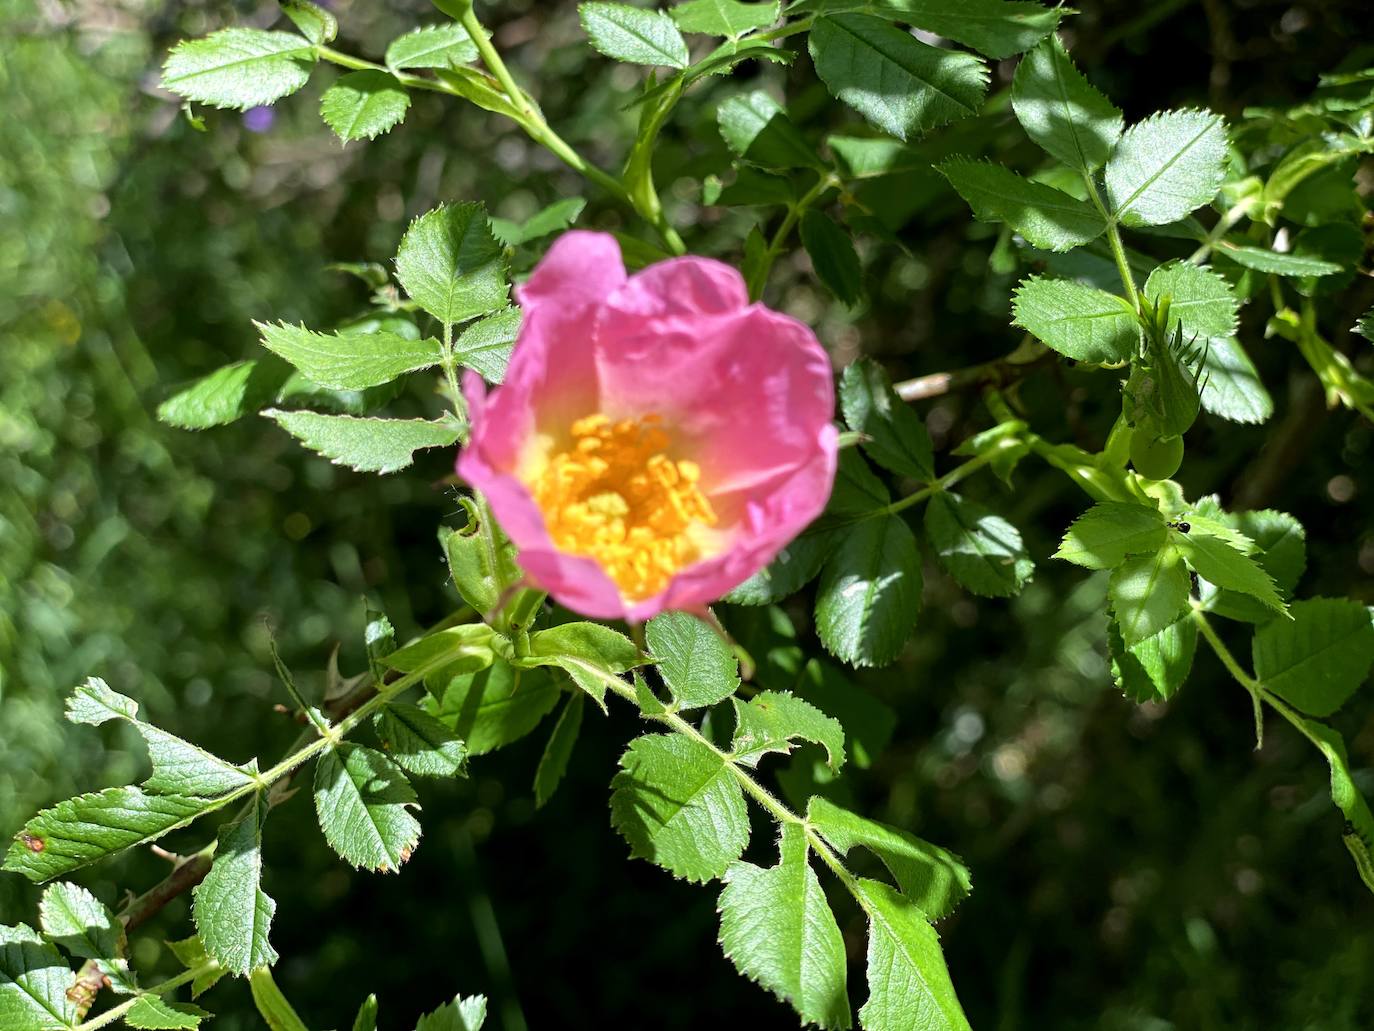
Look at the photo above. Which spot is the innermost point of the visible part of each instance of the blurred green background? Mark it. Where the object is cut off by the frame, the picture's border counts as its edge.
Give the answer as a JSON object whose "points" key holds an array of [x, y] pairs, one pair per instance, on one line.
{"points": [[1134, 867]]}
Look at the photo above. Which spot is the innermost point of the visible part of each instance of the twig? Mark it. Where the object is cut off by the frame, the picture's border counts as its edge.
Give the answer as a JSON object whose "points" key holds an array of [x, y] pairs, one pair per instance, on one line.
{"points": [[999, 372], [184, 876]]}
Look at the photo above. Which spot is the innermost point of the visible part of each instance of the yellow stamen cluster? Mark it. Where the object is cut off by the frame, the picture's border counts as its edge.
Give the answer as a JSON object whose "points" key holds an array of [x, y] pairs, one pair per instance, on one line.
{"points": [[615, 495]]}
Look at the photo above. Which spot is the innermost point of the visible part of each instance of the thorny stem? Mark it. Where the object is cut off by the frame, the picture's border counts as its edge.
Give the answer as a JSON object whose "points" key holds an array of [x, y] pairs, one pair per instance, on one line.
{"points": [[1029, 356], [1234, 668], [352, 709], [1259, 694], [455, 395], [540, 131], [171, 984], [759, 278], [530, 120], [782, 31], [1123, 267], [766, 800], [1219, 230], [950, 478]]}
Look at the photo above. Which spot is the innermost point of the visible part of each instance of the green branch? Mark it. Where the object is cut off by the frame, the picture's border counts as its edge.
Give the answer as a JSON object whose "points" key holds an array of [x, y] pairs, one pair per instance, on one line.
{"points": [[765, 799], [171, 984], [758, 277], [522, 112]]}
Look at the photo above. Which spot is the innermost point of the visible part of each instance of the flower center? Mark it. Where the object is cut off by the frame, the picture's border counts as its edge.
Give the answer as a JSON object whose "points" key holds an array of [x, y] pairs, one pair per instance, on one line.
{"points": [[615, 495]]}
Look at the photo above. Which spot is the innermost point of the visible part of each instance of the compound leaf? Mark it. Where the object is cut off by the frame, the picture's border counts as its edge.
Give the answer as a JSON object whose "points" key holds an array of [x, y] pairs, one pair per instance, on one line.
{"points": [[694, 659], [1320, 657], [777, 929], [679, 804], [772, 720], [363, 801]]}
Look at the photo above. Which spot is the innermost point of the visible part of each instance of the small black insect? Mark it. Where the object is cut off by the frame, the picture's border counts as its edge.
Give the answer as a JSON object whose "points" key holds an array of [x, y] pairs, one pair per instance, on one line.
{"points": [[1181, 527]]}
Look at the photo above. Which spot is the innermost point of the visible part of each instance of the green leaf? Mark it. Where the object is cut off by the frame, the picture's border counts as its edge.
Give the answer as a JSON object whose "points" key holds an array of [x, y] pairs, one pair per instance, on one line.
{"points": [[481, 562], [553, 764], [363, 105], [678, 804], [901, 85], [366, 1020], [1147, 593], [458, 649], [634, 35], [276, 1012], [179, 767], [863, 157], [479, 88], [79, 922], [590, 653], [1156, 666], [1219, 563], [1273, 263], [157, 1014], [724, 17], [756, 127], [349, 361], [1230, 383], [1365, 327], [870, 593], [1165, 166], [433, 46], [459, 1015], [908, 982], [233, 914], [993, 27], [1004, 445], [553, 219], [239, 68], [419, 742], [363, 802], [224, 395], [794, 566], [897, 436], [486, 345], [499, 705], [192, 955], [979, 549], [867, 722], [777, 929], [1281, 551], [90, 827], [1048, 218], [933, 878], [315, 23], [1081, 322], [451, 265], [1060, 109], [694, 659], [832, 255], [648, 702], [379, 637], [1359, 822], [857, 490], [1103, 536], [772, 721], [1320, 657], [1201, 301], [33, 983], [366, 445]]}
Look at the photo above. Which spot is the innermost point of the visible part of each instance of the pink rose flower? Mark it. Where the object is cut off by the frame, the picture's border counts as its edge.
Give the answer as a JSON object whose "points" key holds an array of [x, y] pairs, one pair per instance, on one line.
{"points": [[658, 439]]}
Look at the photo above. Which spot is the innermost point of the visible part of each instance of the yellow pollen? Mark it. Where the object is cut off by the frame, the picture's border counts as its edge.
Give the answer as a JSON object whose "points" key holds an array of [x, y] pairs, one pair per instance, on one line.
{"points": [[615, 495]]}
